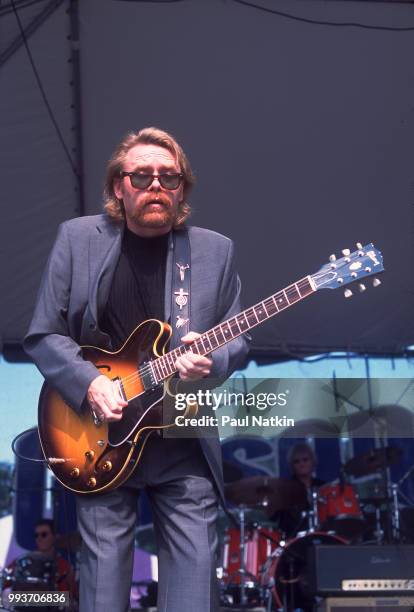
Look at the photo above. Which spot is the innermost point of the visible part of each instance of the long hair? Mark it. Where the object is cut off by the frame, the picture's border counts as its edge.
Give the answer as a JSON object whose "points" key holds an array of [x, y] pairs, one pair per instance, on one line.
{"points": [[113, 206], [300, 448]]}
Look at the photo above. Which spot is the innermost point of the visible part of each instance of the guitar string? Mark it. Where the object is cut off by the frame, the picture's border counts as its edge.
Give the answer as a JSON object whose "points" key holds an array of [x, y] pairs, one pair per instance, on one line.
{"points": [[210, 334], [266, 303], [147, 369], [132, 378], [142, 372], [271, 300]]}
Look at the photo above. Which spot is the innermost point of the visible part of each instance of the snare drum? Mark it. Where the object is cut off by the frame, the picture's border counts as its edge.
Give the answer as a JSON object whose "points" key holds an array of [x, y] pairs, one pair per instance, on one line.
{"points": [[339, 510]]}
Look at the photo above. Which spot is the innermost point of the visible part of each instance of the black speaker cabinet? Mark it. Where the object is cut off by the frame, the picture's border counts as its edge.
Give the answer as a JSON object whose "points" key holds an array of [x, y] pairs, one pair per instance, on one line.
{"points": [[355, 571], [367, 604]]}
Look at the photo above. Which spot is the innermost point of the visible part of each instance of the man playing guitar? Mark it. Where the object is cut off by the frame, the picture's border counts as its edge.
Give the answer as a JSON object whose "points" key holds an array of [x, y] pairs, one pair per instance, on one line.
{"points": [[105, 275]]}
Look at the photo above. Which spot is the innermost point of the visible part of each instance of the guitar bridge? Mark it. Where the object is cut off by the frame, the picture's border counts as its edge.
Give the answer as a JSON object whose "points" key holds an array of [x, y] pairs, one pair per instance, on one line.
{"points": [[118, 380]]}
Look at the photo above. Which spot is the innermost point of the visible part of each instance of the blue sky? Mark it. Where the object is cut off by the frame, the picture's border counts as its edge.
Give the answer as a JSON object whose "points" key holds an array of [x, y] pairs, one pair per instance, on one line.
{"points": [[20, 386]]}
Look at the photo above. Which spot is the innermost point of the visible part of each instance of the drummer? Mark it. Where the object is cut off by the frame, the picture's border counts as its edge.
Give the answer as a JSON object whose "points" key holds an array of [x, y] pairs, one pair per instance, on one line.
{"points": [[302, 464], [45, 538]]}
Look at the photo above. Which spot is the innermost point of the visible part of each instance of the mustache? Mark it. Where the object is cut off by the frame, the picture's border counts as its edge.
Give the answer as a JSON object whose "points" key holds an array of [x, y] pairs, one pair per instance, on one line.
{"points": [[158, 199]]}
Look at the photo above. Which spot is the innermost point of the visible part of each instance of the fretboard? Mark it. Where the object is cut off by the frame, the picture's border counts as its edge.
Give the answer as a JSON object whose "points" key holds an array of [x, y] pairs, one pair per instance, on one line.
{"points": [[218, 336]]}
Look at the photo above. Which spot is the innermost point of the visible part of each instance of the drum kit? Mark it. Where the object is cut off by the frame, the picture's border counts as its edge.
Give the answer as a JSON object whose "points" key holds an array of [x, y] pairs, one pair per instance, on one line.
{"points": [[36, 572], [263, 566], [30, 572]]}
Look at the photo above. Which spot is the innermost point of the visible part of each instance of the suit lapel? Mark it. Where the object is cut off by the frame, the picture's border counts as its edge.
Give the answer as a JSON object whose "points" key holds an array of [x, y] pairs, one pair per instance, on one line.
{"points": [[104, 250], [168, 278]]}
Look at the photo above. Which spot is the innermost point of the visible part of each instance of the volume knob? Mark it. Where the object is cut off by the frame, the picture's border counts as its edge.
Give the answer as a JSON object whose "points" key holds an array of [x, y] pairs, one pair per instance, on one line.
{"points": [[107, 466], [74, 473], [90, 454], [91, 482]]}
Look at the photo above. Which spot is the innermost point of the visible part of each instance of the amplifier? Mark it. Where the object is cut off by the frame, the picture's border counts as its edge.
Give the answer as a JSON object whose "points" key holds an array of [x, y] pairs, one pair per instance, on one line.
{"points": [[367, 604], [354, 570]]}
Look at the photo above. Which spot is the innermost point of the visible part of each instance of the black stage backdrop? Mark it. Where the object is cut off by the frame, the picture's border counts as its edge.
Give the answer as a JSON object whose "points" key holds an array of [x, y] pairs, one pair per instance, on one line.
{"points": [[301, 135]]}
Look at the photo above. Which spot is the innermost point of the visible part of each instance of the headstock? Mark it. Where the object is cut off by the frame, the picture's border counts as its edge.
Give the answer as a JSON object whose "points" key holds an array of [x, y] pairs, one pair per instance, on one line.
{"points": [[352, 267]]}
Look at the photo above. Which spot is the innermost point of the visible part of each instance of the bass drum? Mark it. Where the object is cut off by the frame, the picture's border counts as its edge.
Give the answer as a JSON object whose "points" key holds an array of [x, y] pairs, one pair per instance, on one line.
{"points": [[287, 572]]}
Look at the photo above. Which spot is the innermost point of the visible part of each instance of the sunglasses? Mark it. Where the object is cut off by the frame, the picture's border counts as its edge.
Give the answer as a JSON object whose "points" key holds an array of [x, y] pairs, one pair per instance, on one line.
{"points": [[41, 534], [141, 180]]}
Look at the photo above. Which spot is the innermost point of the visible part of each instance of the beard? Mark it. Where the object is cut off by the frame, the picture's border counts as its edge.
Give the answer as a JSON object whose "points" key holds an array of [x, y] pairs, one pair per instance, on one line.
{"points": [[155, 211]]}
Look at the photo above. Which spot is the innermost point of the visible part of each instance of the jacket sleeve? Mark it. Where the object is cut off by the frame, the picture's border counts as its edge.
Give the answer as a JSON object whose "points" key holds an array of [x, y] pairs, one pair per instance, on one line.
{"points": [[48, 341], [229, 357]]}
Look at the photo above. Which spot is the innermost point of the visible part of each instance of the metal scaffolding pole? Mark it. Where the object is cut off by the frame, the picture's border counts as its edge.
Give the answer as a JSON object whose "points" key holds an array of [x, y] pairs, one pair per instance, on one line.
{"points": [[77, 101]]}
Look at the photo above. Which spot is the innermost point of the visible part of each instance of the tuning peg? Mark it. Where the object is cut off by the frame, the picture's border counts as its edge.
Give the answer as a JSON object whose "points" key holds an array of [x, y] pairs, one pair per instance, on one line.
{"points": [[359, 246], [368, 269], [348, 293], [376, 282], [346, 252], [361, 287], [332, 257]]}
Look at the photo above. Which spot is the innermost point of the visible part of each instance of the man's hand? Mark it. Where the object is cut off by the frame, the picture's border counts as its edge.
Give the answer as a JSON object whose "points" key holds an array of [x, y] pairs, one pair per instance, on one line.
{"points": [[105, 399], [192, 366]]}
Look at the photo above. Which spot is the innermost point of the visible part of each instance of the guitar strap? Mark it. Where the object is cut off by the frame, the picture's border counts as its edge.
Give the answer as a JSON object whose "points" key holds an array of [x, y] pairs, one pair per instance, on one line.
{"points": [[181, 282]]}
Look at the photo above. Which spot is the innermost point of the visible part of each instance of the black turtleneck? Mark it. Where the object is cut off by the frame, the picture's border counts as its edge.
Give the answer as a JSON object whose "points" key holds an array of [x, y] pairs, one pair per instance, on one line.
{"points": [[137, 290]]}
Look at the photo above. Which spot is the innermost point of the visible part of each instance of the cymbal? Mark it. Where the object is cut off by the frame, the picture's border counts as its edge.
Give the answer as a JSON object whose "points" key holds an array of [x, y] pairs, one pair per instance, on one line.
{"points": [[391, 420], [376, 459], [276, 493]]}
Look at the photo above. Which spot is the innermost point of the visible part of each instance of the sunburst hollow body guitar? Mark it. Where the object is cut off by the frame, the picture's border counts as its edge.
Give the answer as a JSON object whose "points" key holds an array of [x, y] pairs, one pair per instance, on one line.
{"points": [[89, 456]]}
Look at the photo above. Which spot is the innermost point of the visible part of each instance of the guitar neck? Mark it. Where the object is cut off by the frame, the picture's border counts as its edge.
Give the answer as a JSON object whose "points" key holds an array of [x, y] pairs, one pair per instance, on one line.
{"points": [[218, 336]]}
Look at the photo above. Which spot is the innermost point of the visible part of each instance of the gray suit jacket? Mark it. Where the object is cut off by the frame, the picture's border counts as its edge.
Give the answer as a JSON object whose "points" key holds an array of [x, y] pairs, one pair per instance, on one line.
{"points": [[74, 290]]}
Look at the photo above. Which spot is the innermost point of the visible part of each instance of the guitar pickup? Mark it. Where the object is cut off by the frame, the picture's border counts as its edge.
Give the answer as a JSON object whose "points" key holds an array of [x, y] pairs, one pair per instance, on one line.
{"points": [[146, 372]]}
